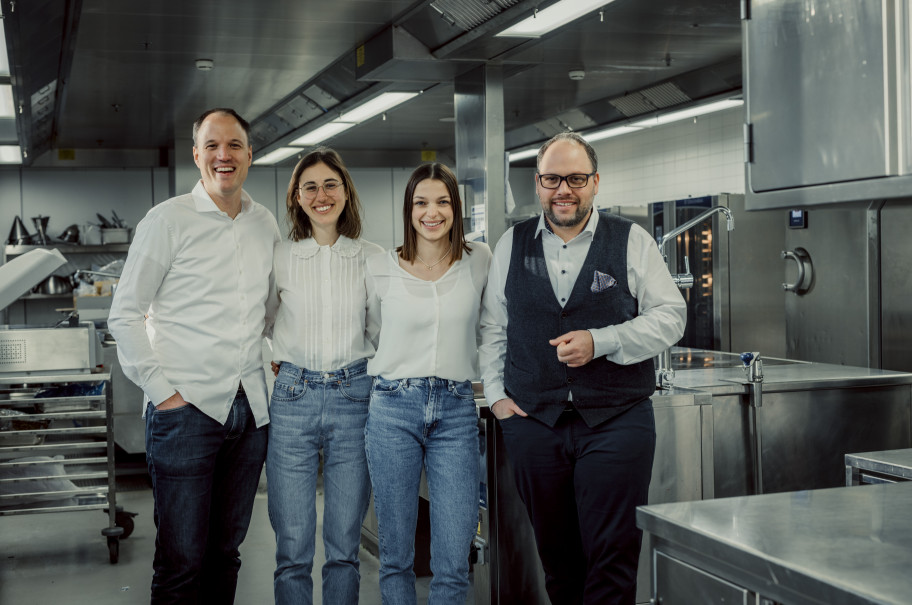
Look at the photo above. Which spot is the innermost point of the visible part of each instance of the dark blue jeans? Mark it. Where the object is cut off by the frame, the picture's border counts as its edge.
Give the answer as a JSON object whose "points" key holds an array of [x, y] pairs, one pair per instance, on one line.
{"points": [[204, 479], [581, 487]]}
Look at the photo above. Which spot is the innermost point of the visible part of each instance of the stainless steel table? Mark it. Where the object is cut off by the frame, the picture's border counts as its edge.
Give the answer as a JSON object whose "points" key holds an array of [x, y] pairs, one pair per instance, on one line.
{"points": [[847, 545], [888, 466]]}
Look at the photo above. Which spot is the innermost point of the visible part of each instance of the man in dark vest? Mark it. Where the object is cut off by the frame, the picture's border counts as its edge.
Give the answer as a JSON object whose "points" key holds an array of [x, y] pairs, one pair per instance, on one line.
{"points": [[577, 304]]}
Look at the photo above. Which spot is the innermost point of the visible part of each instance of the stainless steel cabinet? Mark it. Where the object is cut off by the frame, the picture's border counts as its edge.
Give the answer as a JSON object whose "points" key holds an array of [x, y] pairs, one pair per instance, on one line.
{"points": [[828, 101]]}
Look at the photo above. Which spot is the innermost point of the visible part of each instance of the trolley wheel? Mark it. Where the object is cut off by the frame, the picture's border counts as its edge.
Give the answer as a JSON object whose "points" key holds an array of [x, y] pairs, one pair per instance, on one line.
{"points": [[113, 549], [124, 520]]}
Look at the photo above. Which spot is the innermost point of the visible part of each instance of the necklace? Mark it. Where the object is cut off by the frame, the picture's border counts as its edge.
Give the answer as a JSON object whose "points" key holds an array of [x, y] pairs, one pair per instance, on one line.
{"points": [[439, 260]]}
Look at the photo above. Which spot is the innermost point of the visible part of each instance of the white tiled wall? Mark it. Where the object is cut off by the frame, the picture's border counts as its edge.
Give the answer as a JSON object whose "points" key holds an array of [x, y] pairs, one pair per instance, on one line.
{"points": [[692, 158]]}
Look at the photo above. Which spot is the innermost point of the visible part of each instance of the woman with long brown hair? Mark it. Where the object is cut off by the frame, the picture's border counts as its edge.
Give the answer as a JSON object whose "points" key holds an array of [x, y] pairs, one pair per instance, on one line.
{"points": [[427, 294]]}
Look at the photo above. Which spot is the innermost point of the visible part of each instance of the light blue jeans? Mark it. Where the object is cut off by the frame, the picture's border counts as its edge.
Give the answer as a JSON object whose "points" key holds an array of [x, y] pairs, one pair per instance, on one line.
{"points": [[430, 423], [309, 411]]}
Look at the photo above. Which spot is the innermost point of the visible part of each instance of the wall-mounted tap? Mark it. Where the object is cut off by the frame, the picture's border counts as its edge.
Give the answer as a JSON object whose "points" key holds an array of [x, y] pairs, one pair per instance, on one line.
{"points": [[686, 280], [664, 372]]}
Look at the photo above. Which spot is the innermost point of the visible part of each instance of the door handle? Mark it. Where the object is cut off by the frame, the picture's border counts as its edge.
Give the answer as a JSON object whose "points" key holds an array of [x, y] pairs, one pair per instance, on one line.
{"points": [[805, 276]]}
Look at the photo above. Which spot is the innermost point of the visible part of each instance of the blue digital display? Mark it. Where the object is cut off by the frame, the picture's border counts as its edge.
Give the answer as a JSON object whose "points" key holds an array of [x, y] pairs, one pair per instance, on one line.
{"points": [[798, 219]]}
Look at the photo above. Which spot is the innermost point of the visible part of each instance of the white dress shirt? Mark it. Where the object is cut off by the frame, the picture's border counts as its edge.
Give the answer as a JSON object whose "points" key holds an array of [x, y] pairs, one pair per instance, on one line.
{"points": [[321, 321], [427, 328], [662, 312], [203, 279]]}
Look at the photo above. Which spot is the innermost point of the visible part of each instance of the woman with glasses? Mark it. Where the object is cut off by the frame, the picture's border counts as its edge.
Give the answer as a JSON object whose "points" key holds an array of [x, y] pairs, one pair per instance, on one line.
{"points": [[322, 387], [427, 294]]}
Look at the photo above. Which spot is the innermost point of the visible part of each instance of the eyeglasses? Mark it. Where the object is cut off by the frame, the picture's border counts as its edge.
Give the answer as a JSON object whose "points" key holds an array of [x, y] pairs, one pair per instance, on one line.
{"points": [[329, 188], [574, 181]]}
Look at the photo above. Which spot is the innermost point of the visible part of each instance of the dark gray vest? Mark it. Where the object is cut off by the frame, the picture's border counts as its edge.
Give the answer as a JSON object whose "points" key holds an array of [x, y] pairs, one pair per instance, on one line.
{"points": [[533, 376]]}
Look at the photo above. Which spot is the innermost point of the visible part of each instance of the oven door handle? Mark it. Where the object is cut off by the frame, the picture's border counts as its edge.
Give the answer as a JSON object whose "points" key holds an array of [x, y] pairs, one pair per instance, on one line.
{"points": [[805, 276]]}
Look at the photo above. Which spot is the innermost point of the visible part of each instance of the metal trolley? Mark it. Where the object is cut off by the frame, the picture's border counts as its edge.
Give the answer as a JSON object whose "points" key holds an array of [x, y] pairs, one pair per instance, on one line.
{"points": [[57, 448]]}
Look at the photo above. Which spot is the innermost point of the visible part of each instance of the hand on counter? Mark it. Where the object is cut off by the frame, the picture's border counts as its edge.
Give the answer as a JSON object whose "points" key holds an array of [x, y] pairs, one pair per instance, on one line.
{"points": [[506, 408], [171, 403], [574, 348]]}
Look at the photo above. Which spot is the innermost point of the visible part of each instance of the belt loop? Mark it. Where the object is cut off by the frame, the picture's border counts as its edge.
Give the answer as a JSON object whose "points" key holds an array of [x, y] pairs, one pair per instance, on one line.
{"points": [[347, 374]]}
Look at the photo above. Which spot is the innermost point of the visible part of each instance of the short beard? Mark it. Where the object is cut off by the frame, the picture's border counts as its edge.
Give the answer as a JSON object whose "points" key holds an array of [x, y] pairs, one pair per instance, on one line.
{"points": [[578, 217]]}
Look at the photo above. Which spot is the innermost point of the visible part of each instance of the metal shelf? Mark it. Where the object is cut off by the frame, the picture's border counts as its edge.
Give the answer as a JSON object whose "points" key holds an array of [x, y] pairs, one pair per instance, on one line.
{"points": [[65, 249], [47, 430]]}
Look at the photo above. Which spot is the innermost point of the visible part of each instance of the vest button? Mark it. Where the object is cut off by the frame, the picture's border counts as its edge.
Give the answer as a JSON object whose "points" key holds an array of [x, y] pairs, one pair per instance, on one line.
{"points": [[564, 314], [569, 380]]}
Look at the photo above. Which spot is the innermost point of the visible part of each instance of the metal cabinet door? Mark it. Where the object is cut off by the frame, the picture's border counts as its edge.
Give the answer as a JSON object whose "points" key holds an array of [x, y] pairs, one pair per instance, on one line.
{"points": [[817, 107]]}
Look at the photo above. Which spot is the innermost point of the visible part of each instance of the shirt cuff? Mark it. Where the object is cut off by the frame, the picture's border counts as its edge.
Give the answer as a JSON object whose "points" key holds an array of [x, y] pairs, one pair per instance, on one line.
{"points": [[494, 392], [158, 389], [604, 341]]}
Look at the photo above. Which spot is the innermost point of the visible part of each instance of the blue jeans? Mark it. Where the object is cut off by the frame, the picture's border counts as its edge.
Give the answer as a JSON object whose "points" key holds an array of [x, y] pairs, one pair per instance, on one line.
{"points": [[204, 479], [433, 423], [309, 411]]}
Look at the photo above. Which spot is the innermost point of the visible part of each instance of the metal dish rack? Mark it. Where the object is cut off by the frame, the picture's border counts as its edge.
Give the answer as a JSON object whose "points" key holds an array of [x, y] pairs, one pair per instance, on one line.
{"points": [[57, 448]]}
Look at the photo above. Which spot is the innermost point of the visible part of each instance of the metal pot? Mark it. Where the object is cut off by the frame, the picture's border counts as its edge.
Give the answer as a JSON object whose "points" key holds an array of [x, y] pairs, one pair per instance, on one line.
{"points": [[55, 284]]}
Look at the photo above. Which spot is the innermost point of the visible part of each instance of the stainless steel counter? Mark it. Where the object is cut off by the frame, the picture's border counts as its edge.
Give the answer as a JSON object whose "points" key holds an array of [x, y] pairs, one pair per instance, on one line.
{"points": [[879, 467], [844, 545]]}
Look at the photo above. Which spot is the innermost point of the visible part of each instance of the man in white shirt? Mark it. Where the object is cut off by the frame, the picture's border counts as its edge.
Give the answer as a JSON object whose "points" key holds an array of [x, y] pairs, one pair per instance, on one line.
{"points": [[576, 306], [189, 316]]}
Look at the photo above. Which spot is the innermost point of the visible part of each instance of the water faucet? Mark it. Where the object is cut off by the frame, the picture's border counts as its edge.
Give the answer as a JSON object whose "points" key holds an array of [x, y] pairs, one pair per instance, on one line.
{"points": [[664, 372], [729, 221]]}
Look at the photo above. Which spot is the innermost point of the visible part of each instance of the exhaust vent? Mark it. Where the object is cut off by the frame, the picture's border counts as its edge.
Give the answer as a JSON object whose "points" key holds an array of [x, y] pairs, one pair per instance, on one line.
{"points": [[469, 14], [650, 99]]}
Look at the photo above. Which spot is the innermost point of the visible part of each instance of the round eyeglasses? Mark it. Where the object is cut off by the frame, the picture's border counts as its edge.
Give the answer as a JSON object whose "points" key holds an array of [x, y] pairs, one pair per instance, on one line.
{"points": [[574, 181], [329, 187]]}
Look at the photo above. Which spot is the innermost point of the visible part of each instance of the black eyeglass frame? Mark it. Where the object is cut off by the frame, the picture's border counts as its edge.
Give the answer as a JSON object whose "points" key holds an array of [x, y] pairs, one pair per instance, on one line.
{"points": [[566, 178]]}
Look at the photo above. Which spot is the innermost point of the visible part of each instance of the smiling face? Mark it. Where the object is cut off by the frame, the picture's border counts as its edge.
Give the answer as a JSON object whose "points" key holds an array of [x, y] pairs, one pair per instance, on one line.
{"points": [[566, 208], [222, 154], [322, 207], [432, 210]]}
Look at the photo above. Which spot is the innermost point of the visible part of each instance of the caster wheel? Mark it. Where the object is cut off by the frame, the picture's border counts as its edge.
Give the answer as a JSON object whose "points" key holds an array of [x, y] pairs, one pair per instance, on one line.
{"points": [[124, 520], [113, 549]]}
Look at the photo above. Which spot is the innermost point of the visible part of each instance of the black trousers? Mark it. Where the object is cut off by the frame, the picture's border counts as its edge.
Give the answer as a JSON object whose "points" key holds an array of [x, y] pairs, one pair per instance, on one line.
{"points": [[581, 487]]}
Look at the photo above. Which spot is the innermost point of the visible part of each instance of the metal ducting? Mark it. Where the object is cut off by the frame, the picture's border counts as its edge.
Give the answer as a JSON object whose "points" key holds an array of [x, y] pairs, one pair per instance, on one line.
{"points": [[40, 37]]}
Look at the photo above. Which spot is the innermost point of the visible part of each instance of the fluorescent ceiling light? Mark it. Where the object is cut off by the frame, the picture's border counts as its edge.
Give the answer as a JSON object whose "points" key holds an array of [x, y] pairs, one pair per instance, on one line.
{"points": [[10, 154], [322, 133], [7, 109], [355, 116], [515, 156], [277, 155], [613, 131], [556, 15], [691, 112], [607, 133], [375, 106], [4, 59]]}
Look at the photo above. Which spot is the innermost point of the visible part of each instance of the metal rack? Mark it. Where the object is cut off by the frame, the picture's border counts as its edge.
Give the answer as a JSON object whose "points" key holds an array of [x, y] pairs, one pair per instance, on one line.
{"points": [[57, 448]]}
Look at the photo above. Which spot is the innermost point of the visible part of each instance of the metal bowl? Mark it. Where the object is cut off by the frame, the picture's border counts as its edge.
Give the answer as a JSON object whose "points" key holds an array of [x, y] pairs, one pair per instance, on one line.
{"points": [[55, 284]]}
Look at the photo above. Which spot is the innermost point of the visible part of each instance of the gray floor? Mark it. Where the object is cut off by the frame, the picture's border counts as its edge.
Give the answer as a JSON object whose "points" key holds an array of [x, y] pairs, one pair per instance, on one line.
{"points": [[63, 558]]}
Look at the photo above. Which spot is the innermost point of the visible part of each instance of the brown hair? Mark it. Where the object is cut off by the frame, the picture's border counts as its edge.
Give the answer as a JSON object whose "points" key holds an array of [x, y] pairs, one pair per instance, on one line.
{"points": [[439, 172], [349, 223]]}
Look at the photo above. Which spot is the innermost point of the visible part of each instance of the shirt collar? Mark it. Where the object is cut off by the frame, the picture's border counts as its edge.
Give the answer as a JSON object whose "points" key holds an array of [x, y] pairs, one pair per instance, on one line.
{"points": [[589, 228], [203, 201], [344, 246]]}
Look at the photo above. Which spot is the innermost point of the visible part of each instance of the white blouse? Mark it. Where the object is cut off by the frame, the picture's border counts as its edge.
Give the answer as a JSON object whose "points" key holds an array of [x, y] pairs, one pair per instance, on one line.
{"points": [[321, 322], [426, 328]]}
